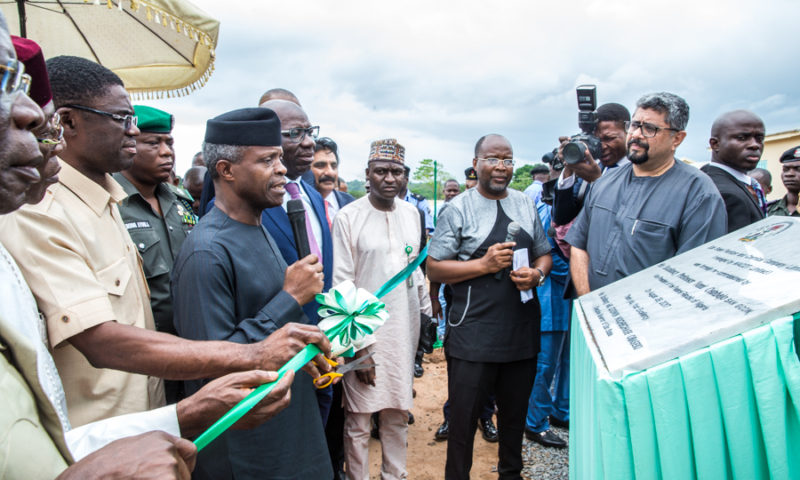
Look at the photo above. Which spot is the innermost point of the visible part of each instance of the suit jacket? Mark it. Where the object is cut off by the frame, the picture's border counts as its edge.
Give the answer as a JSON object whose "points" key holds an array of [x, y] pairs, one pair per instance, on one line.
{"points": [[343, 198], [566, 204], [276, 221], [740, 204], [32, 444]]}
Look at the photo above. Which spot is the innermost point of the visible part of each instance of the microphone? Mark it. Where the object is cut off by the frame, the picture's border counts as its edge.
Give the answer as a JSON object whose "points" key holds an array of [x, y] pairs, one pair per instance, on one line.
{"points": [[513, 230], [297, 218]]}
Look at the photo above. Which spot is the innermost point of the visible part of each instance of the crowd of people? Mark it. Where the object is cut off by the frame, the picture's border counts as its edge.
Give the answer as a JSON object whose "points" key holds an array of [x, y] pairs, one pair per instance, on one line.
{"points": [[136, 312]]}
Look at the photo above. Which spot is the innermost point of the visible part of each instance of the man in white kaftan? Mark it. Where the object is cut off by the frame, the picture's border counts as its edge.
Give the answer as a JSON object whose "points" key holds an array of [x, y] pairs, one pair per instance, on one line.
{"points": [[373, 239]]}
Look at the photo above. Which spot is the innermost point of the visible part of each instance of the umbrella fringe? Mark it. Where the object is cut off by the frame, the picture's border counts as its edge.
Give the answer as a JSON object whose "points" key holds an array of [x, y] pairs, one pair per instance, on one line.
{"points": [[139, 95], [156, 15]]}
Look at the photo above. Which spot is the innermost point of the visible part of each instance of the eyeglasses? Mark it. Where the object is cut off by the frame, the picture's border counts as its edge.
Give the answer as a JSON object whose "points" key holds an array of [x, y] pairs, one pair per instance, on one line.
{"points": [[54, 132], [127, 120], [14, 78], [648, 129], [507, 162], [297, 134]]}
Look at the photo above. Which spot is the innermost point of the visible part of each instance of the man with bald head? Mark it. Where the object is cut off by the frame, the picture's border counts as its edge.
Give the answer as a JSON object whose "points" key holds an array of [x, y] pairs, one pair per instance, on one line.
{"points": [[737, 141], [193, 182], [486, 352], [278, 94]]}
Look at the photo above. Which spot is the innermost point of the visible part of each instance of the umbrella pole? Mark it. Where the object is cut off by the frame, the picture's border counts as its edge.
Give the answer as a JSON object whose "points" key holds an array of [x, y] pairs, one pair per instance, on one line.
{"points": [[22, 20]]}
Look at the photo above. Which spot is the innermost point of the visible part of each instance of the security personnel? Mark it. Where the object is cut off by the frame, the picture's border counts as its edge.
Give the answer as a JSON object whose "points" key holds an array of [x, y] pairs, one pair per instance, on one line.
{"points": [[471, 178], [790, 176], [417, 200], [158, 218]]}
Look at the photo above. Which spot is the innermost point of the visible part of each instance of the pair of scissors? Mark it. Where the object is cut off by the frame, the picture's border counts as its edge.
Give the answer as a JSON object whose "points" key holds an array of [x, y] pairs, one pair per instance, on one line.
{"points": [[340, 370]]}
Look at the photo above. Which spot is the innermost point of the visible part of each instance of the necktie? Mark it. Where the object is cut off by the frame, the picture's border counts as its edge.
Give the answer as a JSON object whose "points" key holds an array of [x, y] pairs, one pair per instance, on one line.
{"points": [[328, 213], [294, 192], [759, 194]]}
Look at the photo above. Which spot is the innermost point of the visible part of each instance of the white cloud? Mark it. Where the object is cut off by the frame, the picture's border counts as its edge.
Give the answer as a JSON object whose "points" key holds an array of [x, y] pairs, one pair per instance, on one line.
{"points": [[438, 75]]}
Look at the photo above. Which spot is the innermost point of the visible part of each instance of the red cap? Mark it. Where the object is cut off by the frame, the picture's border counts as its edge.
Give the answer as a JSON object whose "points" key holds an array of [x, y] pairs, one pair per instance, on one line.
{"points": [[30, 53]]}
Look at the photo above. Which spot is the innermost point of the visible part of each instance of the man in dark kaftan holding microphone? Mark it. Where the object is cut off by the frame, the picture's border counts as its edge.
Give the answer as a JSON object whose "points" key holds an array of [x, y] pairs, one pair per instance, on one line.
{"points": [[248, 292], [492, 336]]}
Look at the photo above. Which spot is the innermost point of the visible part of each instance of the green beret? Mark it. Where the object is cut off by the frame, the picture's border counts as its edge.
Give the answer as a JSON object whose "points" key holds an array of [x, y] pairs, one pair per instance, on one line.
{"points": [[153, 120]]}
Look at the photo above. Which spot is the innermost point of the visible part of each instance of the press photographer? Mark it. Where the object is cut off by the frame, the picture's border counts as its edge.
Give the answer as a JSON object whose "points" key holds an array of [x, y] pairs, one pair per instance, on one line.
{"points": [[602, 137]]}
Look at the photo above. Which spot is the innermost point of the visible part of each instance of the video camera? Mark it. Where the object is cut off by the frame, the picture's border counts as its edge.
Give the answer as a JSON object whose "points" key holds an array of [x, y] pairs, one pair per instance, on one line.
{"points": [[552, 159], [573, 152]]}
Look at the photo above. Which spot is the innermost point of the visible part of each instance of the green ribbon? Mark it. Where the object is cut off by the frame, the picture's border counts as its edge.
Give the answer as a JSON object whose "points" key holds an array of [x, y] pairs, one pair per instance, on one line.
{"points": [[355, 324], [796, 318]]}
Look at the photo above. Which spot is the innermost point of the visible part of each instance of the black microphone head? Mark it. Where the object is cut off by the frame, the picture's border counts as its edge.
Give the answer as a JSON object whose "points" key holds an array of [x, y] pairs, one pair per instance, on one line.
{"points": [[295, 206], [513, 229]]}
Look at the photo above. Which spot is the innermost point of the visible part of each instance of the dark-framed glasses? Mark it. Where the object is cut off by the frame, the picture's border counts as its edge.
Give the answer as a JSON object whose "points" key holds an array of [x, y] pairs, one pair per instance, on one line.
{"points": [[297, 134], [492, 161], [14, 78], [127, 120], [648, 129], [53, 131]]}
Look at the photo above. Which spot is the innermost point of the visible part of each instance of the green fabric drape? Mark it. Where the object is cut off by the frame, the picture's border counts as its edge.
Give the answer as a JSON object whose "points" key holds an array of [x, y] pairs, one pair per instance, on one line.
{"points": [[727, 411]]}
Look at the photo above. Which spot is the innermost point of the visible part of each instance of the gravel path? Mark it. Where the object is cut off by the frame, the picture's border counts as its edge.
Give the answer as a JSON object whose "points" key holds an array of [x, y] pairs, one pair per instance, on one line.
{"points": [[546, 463]]}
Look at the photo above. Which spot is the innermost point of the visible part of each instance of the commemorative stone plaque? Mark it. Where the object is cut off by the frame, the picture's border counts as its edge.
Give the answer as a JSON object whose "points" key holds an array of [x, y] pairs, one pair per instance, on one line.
{"points": [[711, 293]]}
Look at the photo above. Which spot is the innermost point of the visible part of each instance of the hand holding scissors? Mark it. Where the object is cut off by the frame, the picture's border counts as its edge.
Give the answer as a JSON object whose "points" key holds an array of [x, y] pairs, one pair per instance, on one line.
{"points": [[340, 370]]}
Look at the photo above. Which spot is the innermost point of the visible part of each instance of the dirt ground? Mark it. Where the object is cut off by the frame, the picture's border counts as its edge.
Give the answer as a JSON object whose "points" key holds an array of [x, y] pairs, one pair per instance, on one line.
{"points": [[426, 456]]}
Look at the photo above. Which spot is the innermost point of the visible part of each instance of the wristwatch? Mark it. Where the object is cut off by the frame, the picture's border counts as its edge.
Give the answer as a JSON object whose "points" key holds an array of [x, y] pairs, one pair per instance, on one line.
{"points": [[541, 276]]}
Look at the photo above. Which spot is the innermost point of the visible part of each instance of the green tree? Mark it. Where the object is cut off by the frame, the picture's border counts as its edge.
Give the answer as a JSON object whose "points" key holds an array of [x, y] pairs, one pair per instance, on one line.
{"points": [[423, 177], [522, 178], [356, 188]]}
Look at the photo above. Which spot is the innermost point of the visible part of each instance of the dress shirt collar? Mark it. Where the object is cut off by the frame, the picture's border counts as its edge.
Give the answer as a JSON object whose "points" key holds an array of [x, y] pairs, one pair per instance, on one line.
{"points": [[162, 190], [92, 194], [734, 173], [332, 200], [620, 163]]}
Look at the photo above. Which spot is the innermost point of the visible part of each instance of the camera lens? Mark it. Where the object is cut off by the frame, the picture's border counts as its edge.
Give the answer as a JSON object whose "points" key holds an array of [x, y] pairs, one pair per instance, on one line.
{"points": [[573, 152]]}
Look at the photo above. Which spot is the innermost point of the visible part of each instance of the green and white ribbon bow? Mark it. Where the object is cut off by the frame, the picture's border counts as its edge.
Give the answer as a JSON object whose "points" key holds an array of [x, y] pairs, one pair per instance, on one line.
{"points": [[350, 315]]}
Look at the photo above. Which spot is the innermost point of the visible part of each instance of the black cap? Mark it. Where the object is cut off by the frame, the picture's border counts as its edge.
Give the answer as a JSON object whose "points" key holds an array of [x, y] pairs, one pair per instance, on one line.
{"points": [[245, 127], [791, 155], [471, 174]]}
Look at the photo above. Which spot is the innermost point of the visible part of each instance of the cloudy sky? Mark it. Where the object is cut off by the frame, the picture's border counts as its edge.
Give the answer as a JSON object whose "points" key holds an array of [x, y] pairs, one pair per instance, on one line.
{"points": [[438, 75]]}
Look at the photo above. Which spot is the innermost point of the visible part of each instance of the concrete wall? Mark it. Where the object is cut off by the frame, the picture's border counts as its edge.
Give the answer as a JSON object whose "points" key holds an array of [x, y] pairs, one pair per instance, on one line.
{"points": [[774, 145]]}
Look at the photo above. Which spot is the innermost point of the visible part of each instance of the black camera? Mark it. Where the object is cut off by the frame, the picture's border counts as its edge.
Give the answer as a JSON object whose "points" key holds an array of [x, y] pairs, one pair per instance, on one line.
{"points": [[573, 152], [552, 159]]}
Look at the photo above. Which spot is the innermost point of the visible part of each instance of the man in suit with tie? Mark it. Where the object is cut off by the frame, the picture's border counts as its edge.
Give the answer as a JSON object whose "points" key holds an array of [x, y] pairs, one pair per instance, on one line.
{"points": [[298, 138], [737, 140], [325, 170]]}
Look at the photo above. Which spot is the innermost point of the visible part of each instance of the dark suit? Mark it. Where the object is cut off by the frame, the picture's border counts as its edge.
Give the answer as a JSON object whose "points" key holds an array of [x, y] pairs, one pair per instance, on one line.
{"points": [[741, 205], [343, 198], [567, 202], [276, 221]]}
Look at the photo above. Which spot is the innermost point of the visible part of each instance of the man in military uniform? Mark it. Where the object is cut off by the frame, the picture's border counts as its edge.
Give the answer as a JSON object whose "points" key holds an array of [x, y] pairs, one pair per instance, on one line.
{"points": [[471, 178], [157, 217], [790, 176]]}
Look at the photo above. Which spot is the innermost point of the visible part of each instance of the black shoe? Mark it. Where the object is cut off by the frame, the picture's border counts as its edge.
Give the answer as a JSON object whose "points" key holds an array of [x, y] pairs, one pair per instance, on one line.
{"points": [[488, 430], [375, 431], [546, 438], [418, 370], [410, 418], [443, 431], [559, 423]]}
